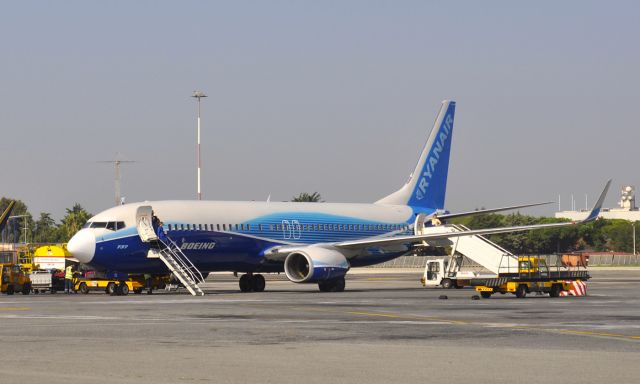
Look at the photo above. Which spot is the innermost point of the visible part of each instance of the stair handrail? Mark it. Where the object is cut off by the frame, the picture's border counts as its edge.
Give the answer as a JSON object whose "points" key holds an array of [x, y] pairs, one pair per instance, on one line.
{"points": [[186, 264]]}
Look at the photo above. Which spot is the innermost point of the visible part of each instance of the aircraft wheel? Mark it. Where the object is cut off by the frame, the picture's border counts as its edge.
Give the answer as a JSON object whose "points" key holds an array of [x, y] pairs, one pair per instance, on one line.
{"points": [[258, 283], [245, 283], [333, 285], [339, 284]]}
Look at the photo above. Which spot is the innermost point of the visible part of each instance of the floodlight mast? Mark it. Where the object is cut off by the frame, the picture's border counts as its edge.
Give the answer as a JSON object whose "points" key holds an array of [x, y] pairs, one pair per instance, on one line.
{"points": [[198, 95]]}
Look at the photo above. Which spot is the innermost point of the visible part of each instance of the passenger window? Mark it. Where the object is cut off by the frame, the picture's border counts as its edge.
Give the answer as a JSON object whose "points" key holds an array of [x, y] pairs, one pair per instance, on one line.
{"points": [[224, 227], [248, 227], [271, 227], [169, 226], [260, 227]]}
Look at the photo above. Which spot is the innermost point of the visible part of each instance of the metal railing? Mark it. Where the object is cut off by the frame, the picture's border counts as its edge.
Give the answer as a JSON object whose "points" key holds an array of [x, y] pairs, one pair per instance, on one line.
{"points": [[184, 263]]}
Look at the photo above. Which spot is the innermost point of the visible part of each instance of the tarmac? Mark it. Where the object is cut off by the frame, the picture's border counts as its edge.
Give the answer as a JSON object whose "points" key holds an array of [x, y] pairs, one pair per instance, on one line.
{"points": [[385, 328]]}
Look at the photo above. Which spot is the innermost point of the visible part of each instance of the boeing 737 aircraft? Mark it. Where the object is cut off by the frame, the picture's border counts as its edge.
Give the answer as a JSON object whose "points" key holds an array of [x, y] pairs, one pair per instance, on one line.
{"points": [[310, 242]]}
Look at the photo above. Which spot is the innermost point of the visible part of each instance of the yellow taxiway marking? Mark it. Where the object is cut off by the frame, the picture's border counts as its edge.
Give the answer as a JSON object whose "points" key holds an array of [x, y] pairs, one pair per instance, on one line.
{"points": [[602, 334], [405, 317], [379, 278], [14, 309], [523, 327]]}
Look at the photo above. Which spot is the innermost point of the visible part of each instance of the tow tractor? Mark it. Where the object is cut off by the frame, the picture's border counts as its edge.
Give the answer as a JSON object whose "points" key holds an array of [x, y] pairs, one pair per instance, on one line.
{"points": [[135, 284], [13, 278]]}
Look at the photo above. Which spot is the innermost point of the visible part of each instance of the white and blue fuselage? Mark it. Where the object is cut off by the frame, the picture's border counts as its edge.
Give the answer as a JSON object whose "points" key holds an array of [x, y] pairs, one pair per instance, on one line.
{"points": [[235, 236]]}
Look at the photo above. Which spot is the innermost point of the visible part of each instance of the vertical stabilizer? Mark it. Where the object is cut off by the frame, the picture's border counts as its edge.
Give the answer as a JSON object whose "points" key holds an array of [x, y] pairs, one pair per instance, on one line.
{"points": [[427, 185]]}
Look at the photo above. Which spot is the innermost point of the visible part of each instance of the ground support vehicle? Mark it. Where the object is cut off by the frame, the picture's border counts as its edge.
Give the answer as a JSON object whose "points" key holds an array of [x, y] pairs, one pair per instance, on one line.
{"points": [[13, 278], [533, 274], [46, 281], [136, 284], [451, 271], [496, 269]]}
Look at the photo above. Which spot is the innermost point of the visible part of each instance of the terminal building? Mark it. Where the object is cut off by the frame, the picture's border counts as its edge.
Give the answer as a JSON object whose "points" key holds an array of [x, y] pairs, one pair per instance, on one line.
{"points": [[627, 209]]}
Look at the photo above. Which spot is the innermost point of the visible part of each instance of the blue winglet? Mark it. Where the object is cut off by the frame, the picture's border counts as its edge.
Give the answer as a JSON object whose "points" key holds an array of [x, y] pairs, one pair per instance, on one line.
{"points": [[596, 208]]}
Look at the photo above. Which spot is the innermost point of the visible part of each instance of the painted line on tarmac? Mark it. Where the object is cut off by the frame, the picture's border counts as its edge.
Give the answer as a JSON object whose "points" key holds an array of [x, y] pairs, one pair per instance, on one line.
{"points": [[408, 317], [15, 309], [600, 334], [496, 325]]}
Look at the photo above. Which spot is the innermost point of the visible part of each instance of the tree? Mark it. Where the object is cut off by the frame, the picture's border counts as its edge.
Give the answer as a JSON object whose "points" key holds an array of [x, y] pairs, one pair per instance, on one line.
{"points": [[46, 229], [73, 221], [304, 197]]}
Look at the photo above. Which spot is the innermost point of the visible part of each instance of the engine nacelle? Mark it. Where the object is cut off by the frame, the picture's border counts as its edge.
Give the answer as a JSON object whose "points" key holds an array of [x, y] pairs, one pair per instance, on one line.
{"points": [[313, 264]]}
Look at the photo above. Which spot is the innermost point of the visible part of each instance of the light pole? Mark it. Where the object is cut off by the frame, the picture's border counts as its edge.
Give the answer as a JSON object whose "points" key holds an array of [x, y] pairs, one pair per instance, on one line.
{"points": [[198, 95], [25, 224]]}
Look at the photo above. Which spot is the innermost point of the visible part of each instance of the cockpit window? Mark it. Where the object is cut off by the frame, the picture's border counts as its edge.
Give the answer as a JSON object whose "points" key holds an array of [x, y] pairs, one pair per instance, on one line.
{"points": [[110, 225]]}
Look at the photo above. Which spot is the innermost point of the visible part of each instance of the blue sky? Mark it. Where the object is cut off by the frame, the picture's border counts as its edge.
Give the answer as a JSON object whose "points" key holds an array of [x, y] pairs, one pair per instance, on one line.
{"points": [[332, 96]]}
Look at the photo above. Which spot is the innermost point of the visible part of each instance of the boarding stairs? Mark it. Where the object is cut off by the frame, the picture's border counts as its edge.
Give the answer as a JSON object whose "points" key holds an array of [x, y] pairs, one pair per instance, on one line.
{"points": [[169, 252], [478, 248], [181, 267]]}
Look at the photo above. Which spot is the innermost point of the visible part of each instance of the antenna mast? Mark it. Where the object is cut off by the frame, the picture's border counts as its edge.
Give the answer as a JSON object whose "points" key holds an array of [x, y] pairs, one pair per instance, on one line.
{"points": [[118, 197]]}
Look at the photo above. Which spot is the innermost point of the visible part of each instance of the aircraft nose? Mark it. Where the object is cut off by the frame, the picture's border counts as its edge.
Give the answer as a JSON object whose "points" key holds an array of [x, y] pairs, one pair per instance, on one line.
{"points": [[82, 245]]}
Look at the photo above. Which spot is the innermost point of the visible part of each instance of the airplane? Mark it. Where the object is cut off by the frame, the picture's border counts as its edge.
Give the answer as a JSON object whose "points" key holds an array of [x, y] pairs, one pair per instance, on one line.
{"points": [[5, 215], [310, 242]]}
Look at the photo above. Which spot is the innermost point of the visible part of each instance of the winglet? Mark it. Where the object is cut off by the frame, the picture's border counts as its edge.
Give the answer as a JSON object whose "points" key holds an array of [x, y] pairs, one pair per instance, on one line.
{"points": [[5, 215], [596, 208]]}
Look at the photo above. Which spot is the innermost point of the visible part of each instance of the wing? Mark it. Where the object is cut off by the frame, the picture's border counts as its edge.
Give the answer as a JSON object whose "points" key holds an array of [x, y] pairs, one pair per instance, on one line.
{"points": [[348, 248], [489, 231]]}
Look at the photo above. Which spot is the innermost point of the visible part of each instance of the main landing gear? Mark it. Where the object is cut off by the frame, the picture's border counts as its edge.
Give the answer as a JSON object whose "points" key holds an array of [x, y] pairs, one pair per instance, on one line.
{"points": [[252, 283], [333, 285]]}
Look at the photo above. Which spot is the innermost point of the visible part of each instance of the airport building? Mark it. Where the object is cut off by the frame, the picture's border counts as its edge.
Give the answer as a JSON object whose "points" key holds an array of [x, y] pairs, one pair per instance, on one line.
{"points": [[627, 209]]}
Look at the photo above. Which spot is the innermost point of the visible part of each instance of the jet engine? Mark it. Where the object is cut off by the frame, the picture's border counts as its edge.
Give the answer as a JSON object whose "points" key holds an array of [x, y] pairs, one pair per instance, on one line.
{"points": [[315, 264]]}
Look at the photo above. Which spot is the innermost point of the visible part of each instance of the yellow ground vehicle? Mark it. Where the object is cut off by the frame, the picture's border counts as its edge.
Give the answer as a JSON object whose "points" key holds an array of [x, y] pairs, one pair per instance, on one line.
{"points": [[13, 278], [83, 285], [133, 284], [532, 275]]}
